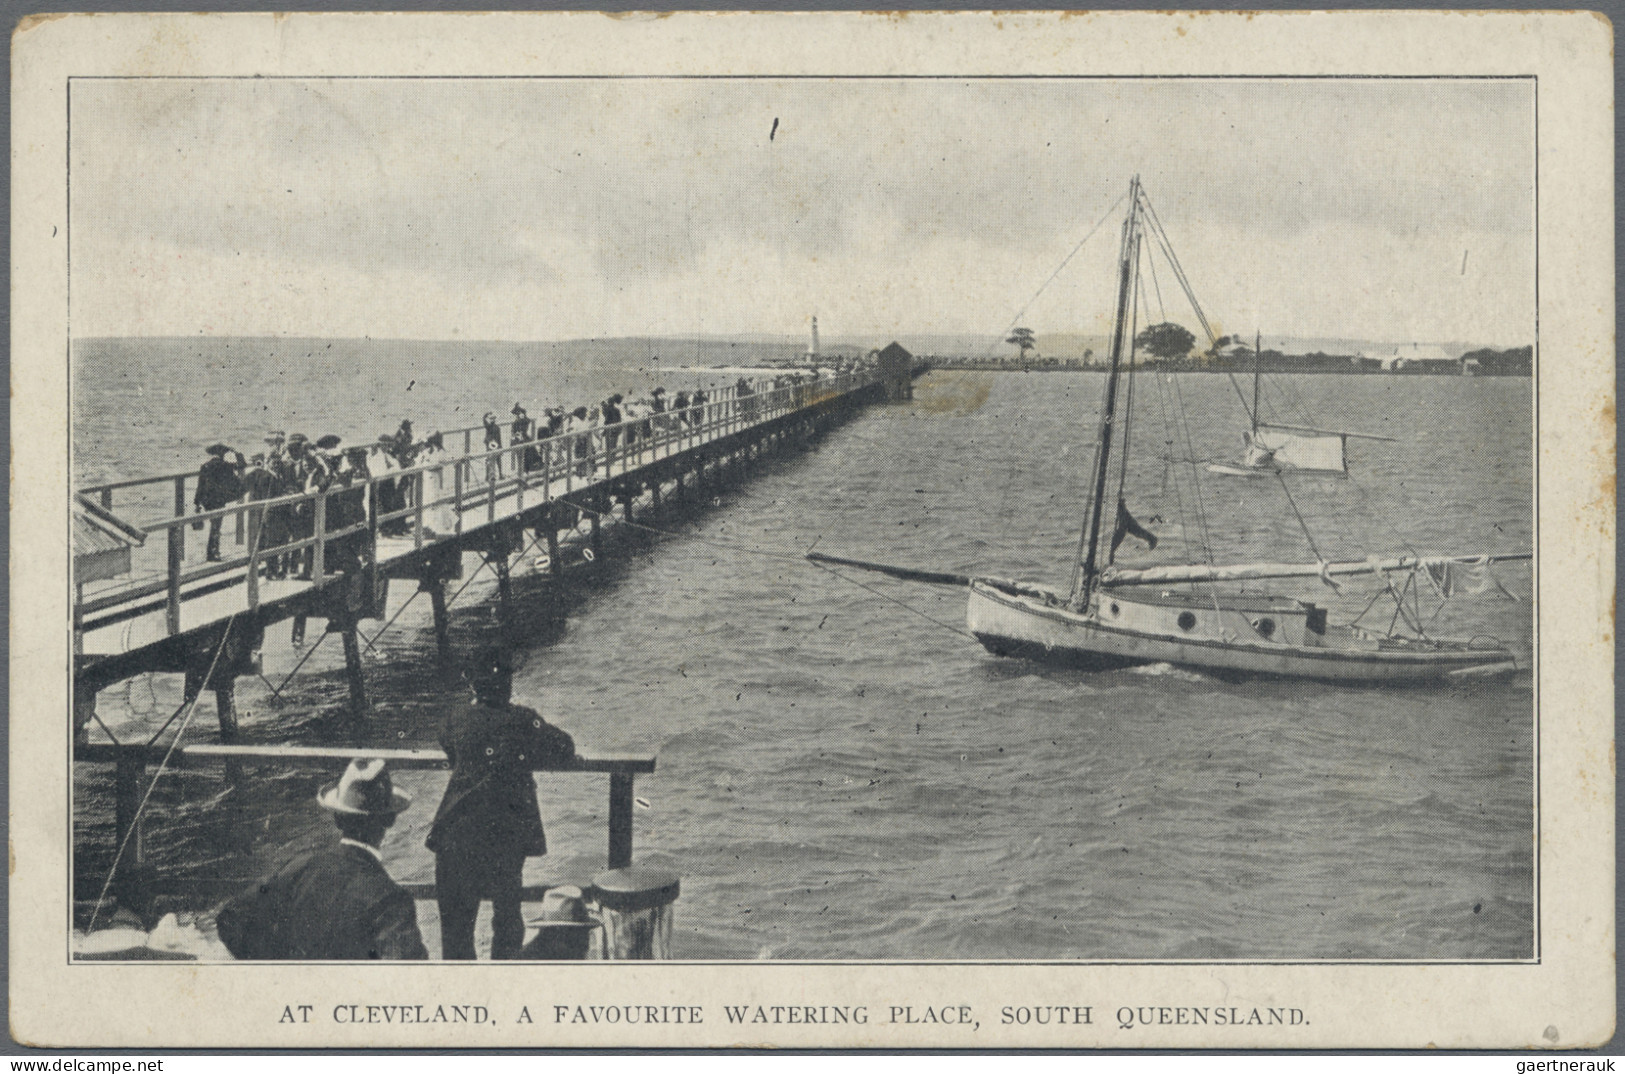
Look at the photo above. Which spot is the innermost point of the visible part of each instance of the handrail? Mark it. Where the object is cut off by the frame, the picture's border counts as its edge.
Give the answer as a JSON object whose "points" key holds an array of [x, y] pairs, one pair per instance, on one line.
{"points": [[132, 761], [723, 394], [617, 448], [425, 757]]}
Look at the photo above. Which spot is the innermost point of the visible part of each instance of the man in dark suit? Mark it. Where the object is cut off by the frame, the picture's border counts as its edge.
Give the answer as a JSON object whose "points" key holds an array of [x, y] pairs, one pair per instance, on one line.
{"points": [[488, 822], [219, 484], [338, 903]]}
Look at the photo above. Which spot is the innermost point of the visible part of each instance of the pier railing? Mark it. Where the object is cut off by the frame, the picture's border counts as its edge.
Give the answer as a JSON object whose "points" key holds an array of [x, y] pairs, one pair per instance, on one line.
{"points": [[341, 517], [131, 763]]}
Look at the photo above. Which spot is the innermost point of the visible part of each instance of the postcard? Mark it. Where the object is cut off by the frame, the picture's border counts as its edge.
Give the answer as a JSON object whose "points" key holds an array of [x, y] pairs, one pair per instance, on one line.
{"points": [[951, 530]]}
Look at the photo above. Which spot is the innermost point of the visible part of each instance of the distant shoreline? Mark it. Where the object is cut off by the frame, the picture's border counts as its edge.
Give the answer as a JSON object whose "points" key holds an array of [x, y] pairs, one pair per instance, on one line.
{"points": [[1517, 362], [1190, 367]]}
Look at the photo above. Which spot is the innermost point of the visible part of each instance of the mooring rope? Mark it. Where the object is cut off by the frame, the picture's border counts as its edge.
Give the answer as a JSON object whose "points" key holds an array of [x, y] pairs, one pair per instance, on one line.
{"points": [[370, 641], [276, 691], [135, 819], [901, 604], [797, 557]]}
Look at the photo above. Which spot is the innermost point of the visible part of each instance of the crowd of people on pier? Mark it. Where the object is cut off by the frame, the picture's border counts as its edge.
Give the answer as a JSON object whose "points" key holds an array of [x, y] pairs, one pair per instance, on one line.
{"points": [[579, 440]]}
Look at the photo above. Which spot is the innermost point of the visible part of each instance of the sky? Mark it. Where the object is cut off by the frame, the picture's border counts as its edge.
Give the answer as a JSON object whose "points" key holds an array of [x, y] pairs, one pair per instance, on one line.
{"points": [[538, 209]]}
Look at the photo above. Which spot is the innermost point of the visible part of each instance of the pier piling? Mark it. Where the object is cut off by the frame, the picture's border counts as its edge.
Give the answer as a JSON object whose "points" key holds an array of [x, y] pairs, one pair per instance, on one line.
{"points": [[442, 619], [225, 708], [129, 773], [554, 563], [352, 667], [498, 559], [84, 710]]}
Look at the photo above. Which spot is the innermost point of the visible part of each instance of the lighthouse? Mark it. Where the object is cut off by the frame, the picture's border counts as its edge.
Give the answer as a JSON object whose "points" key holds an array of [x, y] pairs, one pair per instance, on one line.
{"points": [[812, 346]]}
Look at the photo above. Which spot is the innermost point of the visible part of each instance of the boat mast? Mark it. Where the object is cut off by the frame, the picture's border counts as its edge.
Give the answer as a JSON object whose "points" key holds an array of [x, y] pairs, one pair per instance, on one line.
{"points": [[1083, 573], [1258, 343]]}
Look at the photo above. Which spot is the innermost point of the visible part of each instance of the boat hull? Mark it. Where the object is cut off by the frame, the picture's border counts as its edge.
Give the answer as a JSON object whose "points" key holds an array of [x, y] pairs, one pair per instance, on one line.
{"points": [[1025, 624]]}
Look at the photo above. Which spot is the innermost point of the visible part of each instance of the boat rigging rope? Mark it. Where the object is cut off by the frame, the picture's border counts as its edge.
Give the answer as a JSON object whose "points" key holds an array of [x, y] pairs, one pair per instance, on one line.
{"points": [[1170, 462], [1196, 485], [1179, 270], [765, 553], [1128, 407], [1151, 263], [191, 710], [1022, 312], [901, 604], [1167, 247], [1301, 523]]}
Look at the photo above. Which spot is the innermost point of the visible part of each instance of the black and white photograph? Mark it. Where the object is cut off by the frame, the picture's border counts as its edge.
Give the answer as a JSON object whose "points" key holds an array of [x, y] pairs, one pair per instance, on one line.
{"points": [[923, 519]]}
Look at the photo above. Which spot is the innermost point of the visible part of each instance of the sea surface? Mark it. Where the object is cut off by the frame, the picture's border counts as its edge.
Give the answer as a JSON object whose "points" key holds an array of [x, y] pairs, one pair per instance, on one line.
{"points": [[843, 773]]}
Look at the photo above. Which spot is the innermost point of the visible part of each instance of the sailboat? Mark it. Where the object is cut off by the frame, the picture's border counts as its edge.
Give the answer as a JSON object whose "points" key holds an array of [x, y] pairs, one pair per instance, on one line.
{"points": [[1115, 616], [1270, 447]]}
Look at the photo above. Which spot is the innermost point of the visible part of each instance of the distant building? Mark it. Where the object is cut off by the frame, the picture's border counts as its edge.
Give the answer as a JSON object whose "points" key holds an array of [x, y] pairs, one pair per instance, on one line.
{"points": [[1412, 358], [896, 367]]}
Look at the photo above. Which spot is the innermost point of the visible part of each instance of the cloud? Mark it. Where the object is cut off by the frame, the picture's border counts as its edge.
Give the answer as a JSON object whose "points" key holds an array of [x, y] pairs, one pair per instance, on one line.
{"points": [[537, 208]]}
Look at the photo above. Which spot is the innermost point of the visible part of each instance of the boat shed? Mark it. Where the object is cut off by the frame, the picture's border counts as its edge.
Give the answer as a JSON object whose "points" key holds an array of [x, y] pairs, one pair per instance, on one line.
{"points": [[101, 542], [896, 367]]}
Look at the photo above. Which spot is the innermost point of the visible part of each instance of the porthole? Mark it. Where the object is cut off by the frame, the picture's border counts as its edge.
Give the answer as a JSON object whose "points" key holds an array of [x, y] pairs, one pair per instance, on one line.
{"points": [[1187, 621], [1115, 610], [1265, 627]]}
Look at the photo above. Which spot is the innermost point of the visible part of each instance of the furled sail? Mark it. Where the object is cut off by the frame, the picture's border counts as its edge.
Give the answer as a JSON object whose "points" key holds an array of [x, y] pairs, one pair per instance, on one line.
{"points": [[1271, 447], [1174, 575]]}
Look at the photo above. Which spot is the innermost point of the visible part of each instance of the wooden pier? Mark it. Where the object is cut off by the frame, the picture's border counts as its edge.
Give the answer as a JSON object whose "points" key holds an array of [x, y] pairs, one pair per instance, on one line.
{"points": [[175, 612], [160, 606]]}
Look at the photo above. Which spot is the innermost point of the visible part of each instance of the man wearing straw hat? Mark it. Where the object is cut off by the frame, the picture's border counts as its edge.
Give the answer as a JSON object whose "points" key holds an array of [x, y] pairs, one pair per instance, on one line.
{"points": [[338, 903]]}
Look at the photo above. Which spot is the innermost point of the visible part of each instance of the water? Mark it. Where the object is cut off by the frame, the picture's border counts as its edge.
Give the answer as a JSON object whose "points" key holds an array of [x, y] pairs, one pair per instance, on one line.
{"points": [[844, 775]]}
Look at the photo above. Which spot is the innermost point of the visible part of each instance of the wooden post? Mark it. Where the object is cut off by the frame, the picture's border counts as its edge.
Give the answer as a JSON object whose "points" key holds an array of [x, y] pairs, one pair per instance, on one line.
{"points": [[254, 514], [318, 561], [442, 620], [457, 494], [620, 820], [597, 538], [352, 670], [635, 906], [180, 511], [419, 485], [177, 552], [654, 488], [128, 775], [225, 708]]}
